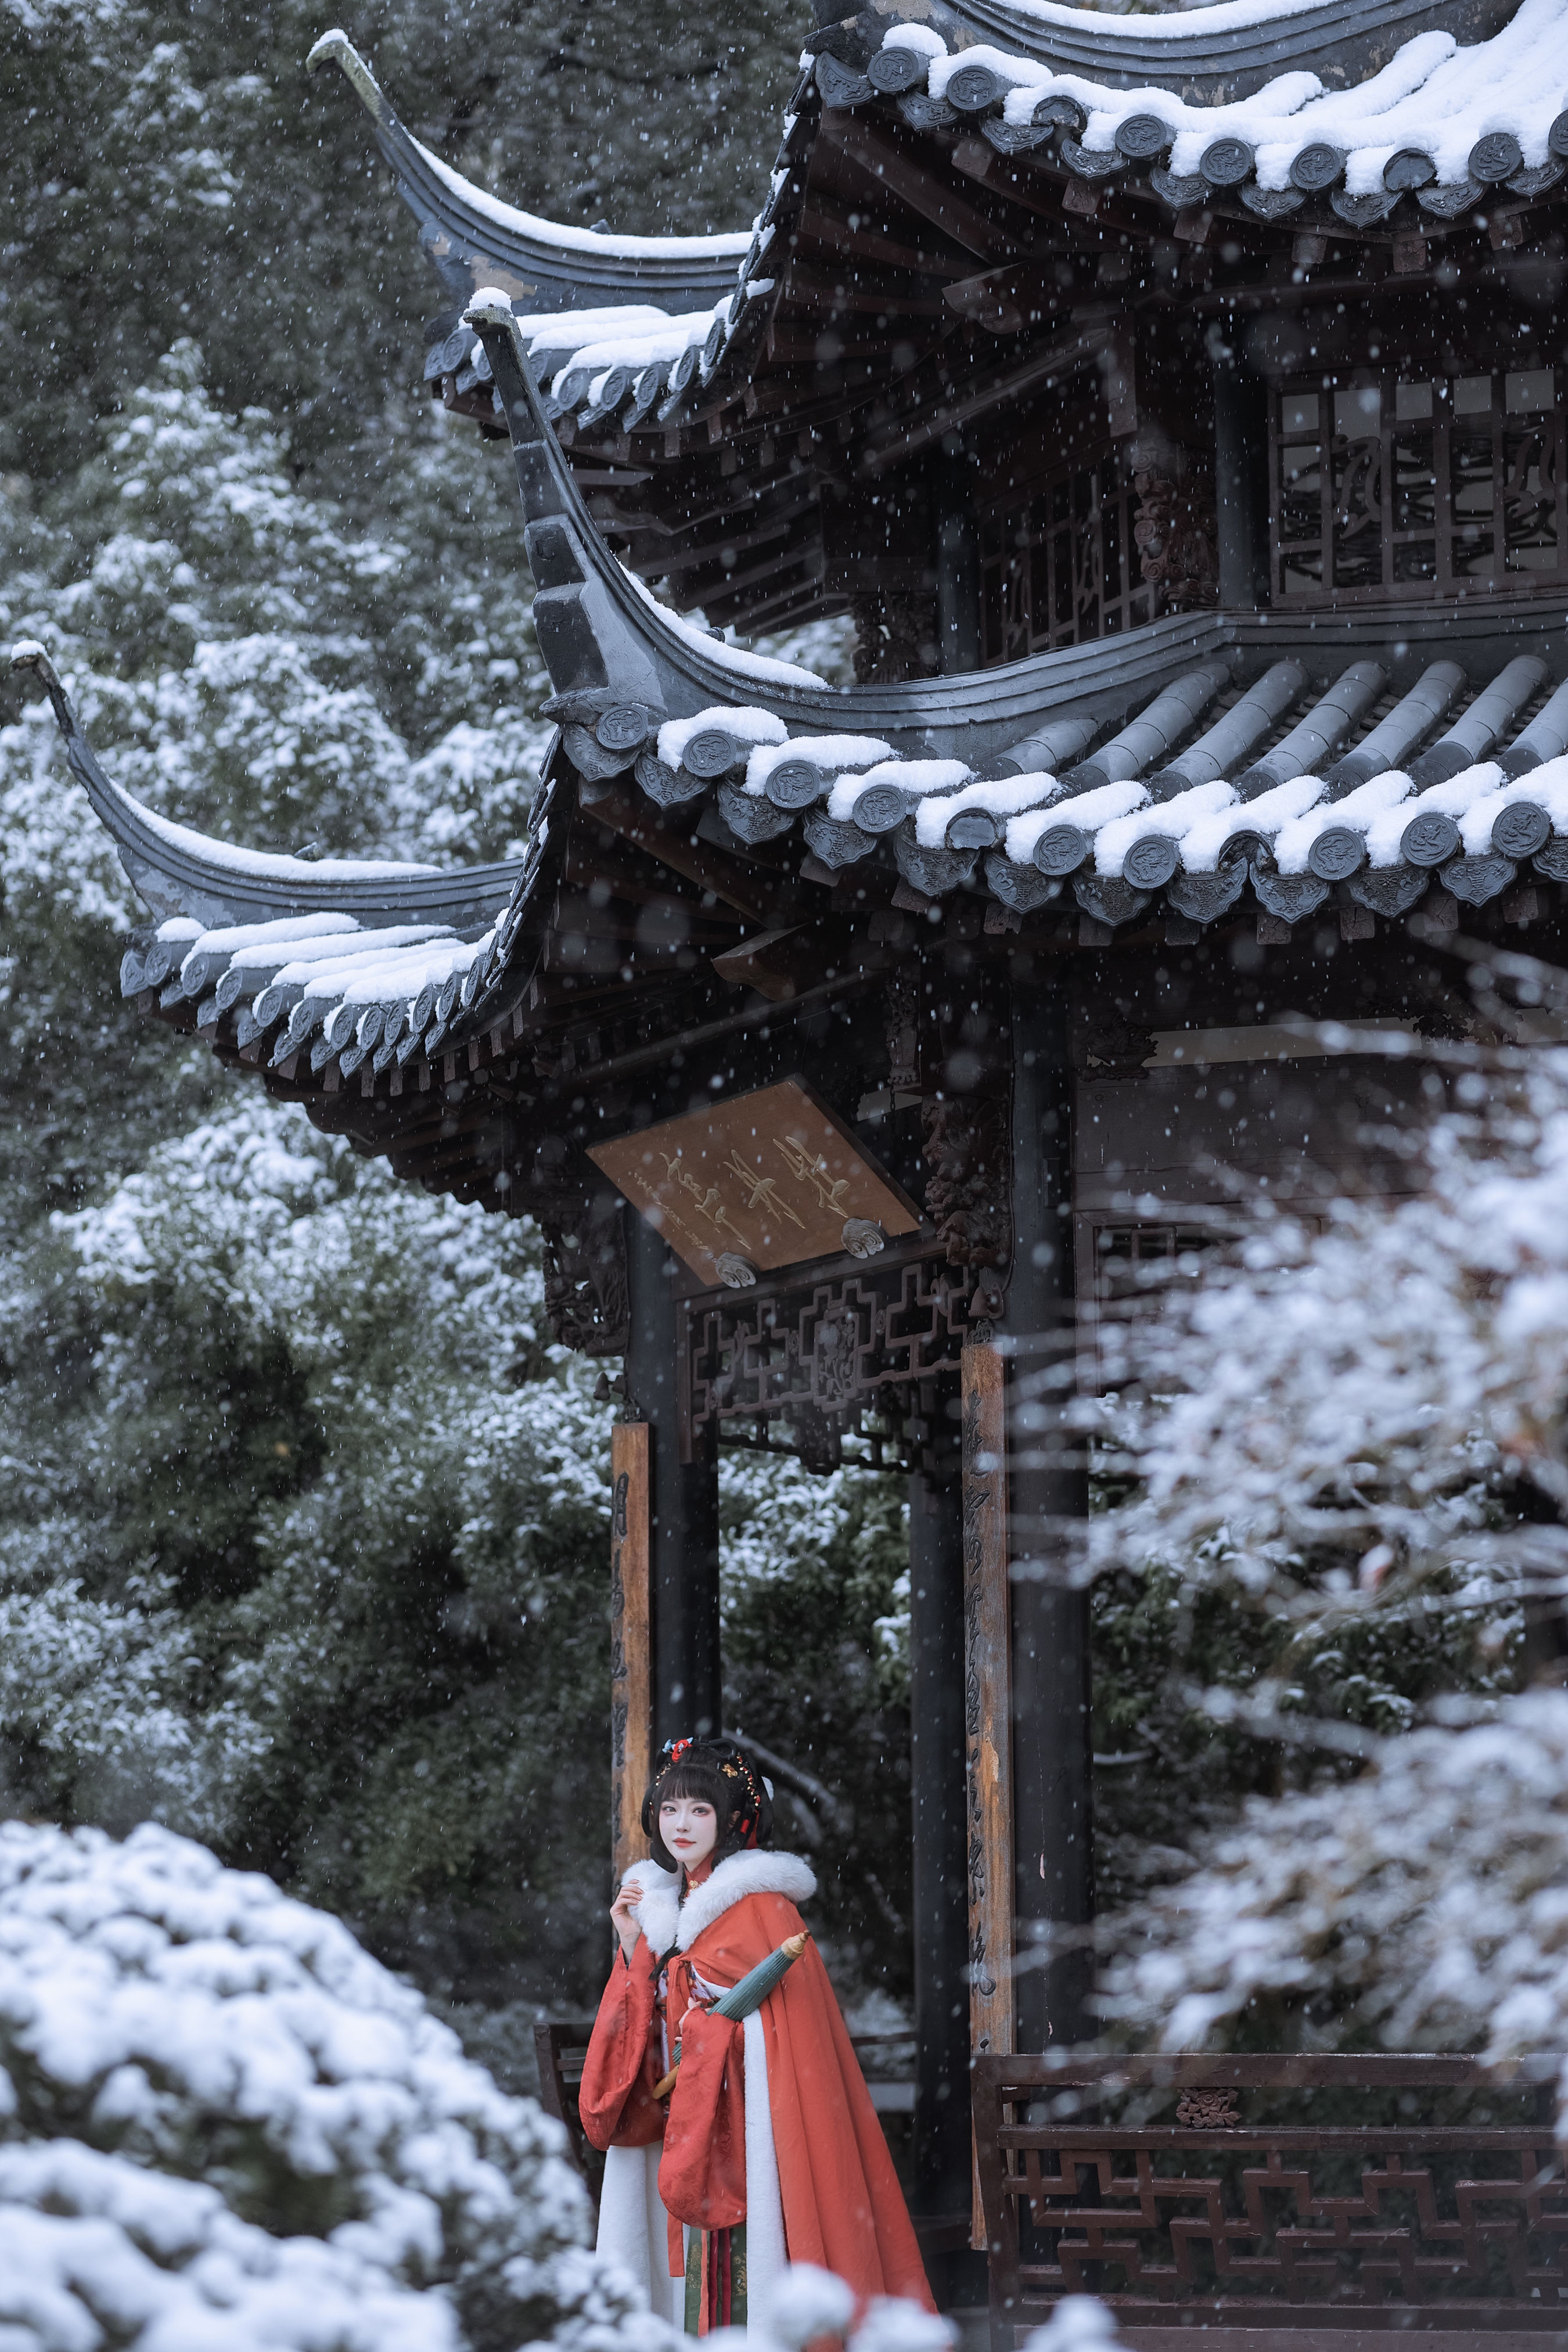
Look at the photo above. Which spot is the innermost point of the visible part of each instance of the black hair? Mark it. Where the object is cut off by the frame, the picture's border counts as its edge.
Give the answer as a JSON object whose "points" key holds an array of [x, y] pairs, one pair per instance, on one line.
{"points": [[712, 1772]]}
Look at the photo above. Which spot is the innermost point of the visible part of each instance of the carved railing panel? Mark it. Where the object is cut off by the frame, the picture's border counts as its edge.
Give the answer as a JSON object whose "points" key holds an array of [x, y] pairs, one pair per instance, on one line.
{"points": [[1152, 2217], [842, 1358], [1229, 2217]]}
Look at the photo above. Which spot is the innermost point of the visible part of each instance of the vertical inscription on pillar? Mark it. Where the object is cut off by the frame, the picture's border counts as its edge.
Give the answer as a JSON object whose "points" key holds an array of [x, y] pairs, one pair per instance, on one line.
{"points": [[988, 1746], [631, 1663]]}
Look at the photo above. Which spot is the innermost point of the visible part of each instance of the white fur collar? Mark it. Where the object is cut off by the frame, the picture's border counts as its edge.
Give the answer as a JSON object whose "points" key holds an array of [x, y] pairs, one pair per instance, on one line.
{"points": [[664, 1923]]}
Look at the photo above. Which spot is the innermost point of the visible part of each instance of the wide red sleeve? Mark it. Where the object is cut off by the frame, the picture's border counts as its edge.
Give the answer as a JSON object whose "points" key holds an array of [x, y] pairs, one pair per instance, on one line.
{"points": [[702, 2172], [616, 2100]]}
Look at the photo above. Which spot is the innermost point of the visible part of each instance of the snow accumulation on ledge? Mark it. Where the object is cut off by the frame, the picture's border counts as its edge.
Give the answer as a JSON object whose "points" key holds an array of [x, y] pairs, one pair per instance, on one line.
{"points": [[602, 243], [1111, 22], [1434, 96]]}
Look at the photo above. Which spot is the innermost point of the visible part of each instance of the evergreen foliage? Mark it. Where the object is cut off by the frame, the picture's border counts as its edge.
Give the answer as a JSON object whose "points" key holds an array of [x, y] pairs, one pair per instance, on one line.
{"points": [[175, 170], [303, 1528]]}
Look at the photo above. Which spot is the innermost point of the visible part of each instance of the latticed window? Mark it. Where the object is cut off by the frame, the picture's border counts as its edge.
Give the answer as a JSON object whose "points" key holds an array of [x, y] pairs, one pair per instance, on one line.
{"points": [[1135, 1263], [1125, 1270], [1064, 569], [1391, 488]]}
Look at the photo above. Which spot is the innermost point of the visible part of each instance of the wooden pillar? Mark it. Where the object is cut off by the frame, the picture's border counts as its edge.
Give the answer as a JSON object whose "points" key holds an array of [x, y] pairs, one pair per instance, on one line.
{"points": [[683, 1503], [937, 1792], [631, 1660], [987, 1701], [957, 565], [1048, 1497], [987, 1714], [1241, 476]]}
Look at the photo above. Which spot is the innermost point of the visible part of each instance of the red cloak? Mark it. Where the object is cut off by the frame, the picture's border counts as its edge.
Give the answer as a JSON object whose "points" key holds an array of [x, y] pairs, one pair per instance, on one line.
{"points": [[843, 2208]]}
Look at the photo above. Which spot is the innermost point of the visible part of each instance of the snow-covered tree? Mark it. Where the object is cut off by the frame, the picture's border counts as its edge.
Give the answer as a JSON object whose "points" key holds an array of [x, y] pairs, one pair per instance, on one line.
{"points": [[1357, 1435], [303, 1540], [1424, 1905], [1378, 1403]]}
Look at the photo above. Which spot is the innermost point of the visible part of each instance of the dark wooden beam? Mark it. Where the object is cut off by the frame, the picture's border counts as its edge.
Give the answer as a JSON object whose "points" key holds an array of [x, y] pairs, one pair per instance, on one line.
{"points": [[823, 228], [801, 587], [799, 599], [625, 811], [797, 342], [683, 1517], [907, 298], [662, 561], [907, 435], [750, 526], [805, 549], [888, 165]]}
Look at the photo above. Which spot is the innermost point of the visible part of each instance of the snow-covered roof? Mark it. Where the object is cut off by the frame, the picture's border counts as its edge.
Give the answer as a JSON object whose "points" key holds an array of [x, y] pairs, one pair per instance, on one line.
{"points": [[564, 237], [546, 266], [1440, 120], [1431, 125], [341, 997], [1291, 783], [193, 876], [353, 958], [1209, 52]]}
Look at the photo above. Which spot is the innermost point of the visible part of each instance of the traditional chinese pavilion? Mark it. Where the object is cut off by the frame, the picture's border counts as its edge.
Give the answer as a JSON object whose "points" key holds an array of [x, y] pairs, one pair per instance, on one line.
{"points": [[1176, 403]]}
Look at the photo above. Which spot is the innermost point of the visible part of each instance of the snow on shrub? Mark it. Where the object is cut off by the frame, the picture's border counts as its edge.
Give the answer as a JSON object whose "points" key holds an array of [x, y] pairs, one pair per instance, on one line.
{"points": [[223, 2125], [93, 2252], [816, 2306], [1080, 2323]]}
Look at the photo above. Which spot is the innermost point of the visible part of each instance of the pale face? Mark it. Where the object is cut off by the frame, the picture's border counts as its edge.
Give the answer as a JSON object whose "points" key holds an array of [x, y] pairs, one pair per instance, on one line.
{"points": [[689, 1829]]}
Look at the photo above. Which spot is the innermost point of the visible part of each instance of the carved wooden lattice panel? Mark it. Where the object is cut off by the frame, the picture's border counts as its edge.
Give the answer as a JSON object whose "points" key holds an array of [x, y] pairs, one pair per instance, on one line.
{"points": [[1367, 2219], [822, 1357], [1064, 569], [1390, 488]]}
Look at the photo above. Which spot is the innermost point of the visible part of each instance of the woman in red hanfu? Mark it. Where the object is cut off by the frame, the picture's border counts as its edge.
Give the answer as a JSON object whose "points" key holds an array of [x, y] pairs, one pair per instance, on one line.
{"points": [[766, 2148]]}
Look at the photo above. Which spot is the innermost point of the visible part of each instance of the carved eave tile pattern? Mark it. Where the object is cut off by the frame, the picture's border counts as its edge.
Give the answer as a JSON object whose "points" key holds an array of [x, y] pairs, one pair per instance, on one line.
{"points": [[1240, 783], [1435, 132]]}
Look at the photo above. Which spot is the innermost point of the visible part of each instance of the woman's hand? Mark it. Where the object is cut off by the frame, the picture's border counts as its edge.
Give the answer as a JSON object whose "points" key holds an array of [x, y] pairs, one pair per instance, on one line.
{"points": [[621, 1912]]}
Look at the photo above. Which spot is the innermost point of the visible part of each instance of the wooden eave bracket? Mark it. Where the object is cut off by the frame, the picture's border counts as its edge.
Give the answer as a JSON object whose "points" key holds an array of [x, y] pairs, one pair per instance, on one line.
{"points": [[637, 819], [758, 964]]}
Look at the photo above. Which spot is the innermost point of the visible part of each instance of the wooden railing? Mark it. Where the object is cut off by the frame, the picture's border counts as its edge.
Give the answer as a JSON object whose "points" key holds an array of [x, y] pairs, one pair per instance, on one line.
{"points": [[1268, 2193]]}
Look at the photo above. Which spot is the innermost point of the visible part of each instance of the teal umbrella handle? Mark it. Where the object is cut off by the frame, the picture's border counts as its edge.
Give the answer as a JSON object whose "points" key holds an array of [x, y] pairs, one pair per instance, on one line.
{"points": [[744, 1999], [754, 1987]]}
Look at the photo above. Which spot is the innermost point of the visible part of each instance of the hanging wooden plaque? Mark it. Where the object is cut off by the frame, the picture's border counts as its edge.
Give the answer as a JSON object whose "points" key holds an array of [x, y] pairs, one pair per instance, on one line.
{"points": [[768, 1180]]}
